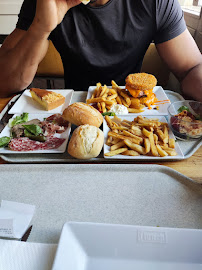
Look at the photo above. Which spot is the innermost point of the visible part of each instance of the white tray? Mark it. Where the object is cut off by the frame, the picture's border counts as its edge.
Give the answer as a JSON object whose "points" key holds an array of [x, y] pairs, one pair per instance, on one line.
{"points": [[129, 194], [26, 103], [162, 119], [89, 246], [160, 94], [188, 147], [61, 149]]}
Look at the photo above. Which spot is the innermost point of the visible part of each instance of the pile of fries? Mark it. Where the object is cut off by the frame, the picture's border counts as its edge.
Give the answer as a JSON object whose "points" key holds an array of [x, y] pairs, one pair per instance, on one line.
{"points": [[142, 136], [105, 97]]}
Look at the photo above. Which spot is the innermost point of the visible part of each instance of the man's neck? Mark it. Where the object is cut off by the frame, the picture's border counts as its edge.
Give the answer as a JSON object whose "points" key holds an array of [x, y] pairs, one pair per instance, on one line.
{"points": [[98, 3]]}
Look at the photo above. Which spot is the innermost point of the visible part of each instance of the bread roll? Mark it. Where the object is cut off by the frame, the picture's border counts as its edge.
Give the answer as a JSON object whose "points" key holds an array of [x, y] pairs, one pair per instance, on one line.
{"points": [[86, 142], [85, 2], [80, 113]]}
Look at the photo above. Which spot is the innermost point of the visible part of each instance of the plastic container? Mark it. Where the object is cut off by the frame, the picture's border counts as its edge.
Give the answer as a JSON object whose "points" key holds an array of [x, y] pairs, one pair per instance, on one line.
{"points": [[185, 118]]}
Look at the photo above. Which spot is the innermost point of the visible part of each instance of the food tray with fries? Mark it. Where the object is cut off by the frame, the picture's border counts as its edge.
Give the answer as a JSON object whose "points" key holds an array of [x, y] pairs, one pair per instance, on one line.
{"points": [[128, 137], [103, 97], [188, 148]]}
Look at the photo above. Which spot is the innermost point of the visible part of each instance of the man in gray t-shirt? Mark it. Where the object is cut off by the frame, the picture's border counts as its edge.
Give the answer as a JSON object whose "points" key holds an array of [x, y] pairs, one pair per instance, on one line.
{"points": [[105, 40]]}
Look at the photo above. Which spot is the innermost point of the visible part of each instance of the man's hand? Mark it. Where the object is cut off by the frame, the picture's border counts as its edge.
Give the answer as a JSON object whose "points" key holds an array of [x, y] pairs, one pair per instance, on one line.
{"points": [[50, 13]]}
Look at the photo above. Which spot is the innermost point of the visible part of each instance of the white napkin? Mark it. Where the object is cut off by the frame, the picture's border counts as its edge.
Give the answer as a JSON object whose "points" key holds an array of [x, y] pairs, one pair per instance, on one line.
{"points": [[17, 255], [15, 218]]}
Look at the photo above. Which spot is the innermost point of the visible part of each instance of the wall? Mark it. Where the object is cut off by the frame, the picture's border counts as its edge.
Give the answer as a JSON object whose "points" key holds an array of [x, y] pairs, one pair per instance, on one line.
{"points": [[9, 10], [194, 24]]}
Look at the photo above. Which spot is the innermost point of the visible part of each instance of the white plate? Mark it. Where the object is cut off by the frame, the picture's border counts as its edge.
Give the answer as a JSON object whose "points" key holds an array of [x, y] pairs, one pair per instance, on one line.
{"points": [[61, 149], [26, 103], [106, 129], [160, 94], [91, 246]]}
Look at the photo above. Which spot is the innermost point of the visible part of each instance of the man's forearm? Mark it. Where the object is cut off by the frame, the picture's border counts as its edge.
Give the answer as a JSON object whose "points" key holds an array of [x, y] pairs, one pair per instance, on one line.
{"points": [[18, 64], [192, 83]]}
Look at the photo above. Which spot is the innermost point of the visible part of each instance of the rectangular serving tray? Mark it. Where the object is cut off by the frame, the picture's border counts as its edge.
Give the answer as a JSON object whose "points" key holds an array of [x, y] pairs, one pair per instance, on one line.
{"points": [[89, 246], [188, 147], [131, 194]]}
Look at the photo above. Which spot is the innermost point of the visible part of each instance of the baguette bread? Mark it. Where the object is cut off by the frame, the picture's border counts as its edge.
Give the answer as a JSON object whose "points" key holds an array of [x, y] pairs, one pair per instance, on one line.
{"points": [[80, 113], [48, 99], [86, 142]]}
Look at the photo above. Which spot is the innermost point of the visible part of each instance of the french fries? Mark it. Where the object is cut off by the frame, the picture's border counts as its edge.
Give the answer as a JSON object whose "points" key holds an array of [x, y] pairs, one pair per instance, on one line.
{"points": [[142, 136], [105, 97], [116, 152], [130, 153], [134, 146]]}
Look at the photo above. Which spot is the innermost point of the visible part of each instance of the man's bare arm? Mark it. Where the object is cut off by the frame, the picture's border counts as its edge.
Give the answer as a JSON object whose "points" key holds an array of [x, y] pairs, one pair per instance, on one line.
{"points": [[184, 59], [22, 51], [20, 55]]}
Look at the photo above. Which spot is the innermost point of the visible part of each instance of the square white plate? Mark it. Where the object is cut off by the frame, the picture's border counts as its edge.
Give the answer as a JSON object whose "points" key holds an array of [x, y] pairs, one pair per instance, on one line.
{"points": [[130, 117], [61, 149], [26, 103], [160, 94], [91, 246]]}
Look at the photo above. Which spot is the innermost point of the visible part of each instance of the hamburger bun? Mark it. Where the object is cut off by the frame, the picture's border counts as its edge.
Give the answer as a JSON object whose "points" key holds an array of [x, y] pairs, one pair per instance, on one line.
{"points": [[86, 142], [80, 113], [140, 86], [141, 81]]}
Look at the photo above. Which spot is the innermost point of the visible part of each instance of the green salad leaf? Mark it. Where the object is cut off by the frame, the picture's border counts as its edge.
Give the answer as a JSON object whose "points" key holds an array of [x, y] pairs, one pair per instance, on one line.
{"points": [[33, 129], [4, 141], [108, 113], [183, 108], [18, 120], [40, 137]]}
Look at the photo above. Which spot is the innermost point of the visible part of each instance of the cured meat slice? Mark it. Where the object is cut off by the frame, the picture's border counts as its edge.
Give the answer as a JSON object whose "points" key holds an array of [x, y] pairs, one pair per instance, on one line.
{"points": [[53, 142], [25, 144], [58, 119], [50, 128], [54, 124]]}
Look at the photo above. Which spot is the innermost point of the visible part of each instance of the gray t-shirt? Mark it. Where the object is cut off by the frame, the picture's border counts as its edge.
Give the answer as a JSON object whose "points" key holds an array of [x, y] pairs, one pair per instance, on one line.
{"points": [[98, 44]]}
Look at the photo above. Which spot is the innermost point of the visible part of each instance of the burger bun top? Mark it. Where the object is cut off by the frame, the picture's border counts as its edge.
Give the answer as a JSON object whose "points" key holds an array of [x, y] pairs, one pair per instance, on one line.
{"points": [[141, 81]]}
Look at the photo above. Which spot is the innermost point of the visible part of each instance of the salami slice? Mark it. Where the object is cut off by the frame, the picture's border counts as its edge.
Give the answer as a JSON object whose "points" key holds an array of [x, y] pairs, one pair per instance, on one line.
{"points": [[25, 144]]}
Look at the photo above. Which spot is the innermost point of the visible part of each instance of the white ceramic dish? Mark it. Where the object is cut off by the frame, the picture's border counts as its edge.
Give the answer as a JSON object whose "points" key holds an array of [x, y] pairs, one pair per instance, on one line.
{"points": [[26, 103], [90, 246], [61, 149], [160, 94], [106, 129]]}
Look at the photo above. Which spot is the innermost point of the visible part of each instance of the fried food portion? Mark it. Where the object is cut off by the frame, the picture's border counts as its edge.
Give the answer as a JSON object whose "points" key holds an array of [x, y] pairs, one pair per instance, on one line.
{"points": [[141, 81], [137, 94], [142, 136], [105, 97]]}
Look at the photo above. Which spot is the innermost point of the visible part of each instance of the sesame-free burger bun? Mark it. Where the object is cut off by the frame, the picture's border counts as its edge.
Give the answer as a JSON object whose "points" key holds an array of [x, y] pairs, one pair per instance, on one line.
{"points": [[141, 81], [80, 113], [86, 142]]}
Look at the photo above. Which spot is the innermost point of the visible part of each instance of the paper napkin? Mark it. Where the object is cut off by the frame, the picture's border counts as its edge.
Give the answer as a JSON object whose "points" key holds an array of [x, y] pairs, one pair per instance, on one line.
{"points": [[17, 255], [15, 218]]}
